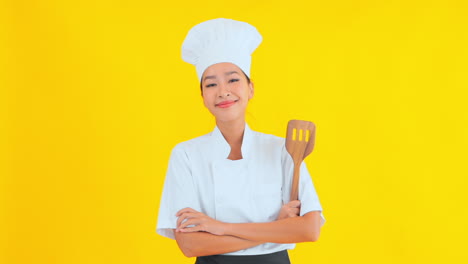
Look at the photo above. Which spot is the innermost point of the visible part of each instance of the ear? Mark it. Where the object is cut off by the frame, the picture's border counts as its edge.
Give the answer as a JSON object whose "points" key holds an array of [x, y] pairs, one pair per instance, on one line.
{"points": [[251, 89]]}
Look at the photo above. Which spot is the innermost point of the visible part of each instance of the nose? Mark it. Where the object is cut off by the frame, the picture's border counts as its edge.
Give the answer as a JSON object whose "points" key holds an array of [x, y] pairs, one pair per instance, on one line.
{"points": [[223, 91]]}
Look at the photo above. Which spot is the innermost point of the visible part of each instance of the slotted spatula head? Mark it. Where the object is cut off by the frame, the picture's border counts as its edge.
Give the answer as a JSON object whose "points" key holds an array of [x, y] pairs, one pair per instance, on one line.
{"points": [[300, 139]]}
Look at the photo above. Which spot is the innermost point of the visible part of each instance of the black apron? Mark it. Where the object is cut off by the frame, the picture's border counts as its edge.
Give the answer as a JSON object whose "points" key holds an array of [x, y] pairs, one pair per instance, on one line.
{"points": [[280, 257]]}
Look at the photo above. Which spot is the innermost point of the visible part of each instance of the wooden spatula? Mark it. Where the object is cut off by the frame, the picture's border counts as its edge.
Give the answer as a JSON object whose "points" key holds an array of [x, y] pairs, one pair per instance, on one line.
{"points": [[300, 141]]}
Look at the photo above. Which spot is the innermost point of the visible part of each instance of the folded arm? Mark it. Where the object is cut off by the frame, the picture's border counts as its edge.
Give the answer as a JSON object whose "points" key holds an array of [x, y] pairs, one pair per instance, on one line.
{"points": [[218, 237], [196, 244], [290, 230]]}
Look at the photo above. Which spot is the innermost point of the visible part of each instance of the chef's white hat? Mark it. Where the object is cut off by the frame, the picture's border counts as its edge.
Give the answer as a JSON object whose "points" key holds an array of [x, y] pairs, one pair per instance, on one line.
{"points": [[220, 40]]}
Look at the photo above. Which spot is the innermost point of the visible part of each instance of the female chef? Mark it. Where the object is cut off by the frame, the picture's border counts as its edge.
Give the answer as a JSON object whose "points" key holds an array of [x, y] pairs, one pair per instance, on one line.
{"points": [[226, 194]]}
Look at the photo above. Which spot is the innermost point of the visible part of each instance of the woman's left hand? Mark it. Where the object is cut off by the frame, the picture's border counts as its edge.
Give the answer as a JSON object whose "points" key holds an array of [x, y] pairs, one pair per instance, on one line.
{"points": [[200, 221], [291, 209]]}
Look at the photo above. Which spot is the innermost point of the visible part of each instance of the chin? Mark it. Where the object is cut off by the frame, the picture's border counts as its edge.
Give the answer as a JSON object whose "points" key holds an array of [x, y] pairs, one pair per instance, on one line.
{"points": [[228, 118]]}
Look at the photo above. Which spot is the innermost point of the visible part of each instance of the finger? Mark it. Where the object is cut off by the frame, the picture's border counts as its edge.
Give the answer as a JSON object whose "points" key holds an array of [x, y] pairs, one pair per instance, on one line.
{"points": [[184, 210], [184, 216], [295, 203], [291, 212], [179, 220], [293, 215], [189, 222], [191, 229]]}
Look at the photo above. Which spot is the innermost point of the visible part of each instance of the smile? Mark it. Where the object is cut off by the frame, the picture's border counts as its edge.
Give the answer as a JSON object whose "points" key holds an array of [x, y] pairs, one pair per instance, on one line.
{"points": [[226, 104]]}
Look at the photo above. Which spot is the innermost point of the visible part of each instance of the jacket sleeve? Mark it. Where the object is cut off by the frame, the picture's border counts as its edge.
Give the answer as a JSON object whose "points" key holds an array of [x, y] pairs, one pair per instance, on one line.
{"points": [[178, 192]]}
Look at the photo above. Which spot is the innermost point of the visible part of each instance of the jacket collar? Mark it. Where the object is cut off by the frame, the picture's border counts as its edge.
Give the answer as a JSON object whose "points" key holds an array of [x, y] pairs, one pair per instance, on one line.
{"points": [[221, 148]]}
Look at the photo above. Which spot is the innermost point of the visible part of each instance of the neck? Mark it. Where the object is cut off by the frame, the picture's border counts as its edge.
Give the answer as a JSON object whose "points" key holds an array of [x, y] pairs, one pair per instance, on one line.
{"points": [[233, 131]]}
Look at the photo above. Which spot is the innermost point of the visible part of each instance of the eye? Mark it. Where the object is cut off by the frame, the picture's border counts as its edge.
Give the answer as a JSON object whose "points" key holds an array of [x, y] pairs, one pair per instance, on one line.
{"points": [[233, 80], [210, 85]]}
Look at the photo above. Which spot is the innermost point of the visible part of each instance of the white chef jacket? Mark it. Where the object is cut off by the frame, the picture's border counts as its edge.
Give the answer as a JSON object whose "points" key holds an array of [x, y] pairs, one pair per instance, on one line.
{"points": [[251, 189]]}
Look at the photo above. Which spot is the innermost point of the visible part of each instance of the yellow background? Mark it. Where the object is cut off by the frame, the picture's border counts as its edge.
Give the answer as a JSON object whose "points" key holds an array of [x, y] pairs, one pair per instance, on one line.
{"points": [[94, 95]]}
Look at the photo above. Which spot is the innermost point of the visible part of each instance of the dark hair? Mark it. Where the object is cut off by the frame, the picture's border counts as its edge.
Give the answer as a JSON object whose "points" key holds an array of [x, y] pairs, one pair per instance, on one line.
{"points": [[247, 77]]}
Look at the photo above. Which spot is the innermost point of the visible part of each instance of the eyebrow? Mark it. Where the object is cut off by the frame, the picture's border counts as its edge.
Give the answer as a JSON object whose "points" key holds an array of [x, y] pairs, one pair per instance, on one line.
{"points": [[214, 76]]}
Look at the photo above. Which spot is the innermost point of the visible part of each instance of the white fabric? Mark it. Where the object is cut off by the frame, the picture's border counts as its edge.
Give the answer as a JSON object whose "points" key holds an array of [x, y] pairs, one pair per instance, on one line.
{"points": [[252, 189], [220, 40]]}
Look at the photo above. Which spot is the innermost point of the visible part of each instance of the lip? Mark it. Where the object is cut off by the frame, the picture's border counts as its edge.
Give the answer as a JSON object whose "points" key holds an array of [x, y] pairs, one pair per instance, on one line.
{"points": [[226, 104]]}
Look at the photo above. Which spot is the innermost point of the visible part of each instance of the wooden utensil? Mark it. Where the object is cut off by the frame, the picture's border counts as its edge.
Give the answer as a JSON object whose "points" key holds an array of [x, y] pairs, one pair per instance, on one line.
{"points": [[300, 141]]}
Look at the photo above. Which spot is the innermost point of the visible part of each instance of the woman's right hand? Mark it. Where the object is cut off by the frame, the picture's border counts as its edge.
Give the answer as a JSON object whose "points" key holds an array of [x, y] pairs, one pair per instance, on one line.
{"points": [[290, 209]]}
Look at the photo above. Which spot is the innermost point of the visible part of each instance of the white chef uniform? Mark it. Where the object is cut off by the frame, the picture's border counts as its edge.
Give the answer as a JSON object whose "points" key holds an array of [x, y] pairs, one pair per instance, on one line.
{"points": [[252, 189]]}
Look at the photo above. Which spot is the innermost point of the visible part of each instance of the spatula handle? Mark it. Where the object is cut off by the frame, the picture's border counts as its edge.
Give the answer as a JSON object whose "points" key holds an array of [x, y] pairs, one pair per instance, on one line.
{"points": [[295, 183]]}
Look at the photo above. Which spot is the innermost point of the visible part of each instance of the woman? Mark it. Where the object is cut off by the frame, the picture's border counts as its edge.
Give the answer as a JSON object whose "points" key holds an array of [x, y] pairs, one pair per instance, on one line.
{"points": [[226, 194]]}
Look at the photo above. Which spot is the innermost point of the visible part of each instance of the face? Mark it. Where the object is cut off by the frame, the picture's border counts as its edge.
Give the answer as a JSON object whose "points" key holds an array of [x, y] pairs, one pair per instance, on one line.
{"points": [[226, 91]]}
